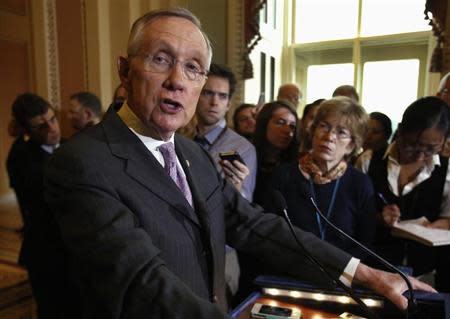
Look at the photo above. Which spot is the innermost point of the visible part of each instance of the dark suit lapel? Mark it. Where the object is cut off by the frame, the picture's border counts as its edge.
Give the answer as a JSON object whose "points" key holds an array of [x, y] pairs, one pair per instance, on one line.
{"points": [[142, 166]]}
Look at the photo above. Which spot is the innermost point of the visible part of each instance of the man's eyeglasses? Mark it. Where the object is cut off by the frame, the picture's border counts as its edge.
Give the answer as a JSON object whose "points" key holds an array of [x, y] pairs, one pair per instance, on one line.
{"points": [[340, 132], [210, 94], [162, 63], [445, 91]]}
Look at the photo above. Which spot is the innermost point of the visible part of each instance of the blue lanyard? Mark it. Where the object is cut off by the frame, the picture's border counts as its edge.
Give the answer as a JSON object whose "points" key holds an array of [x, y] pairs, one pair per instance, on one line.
{"points": [[330, 207]]}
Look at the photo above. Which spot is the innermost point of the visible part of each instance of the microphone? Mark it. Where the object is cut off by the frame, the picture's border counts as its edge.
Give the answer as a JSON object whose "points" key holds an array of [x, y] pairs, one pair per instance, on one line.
{"points": [[412, 303], [280, 205]]}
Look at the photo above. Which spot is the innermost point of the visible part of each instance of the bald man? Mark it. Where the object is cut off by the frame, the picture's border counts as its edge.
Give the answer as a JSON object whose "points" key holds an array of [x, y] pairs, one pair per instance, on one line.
{"points": [[290, 92]]}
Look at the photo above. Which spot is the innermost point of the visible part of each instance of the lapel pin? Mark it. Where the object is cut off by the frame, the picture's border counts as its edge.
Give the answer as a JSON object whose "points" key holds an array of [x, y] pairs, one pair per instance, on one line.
{"points": [[187, 163]]}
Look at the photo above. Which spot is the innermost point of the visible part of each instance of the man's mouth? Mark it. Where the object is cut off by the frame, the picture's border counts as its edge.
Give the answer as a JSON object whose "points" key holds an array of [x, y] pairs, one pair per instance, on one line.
{"points": [[170, 106]]}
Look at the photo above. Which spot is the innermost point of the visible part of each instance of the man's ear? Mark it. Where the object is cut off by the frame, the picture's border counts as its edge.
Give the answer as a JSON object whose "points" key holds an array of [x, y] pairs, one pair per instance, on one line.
{"points": [[88, 112], [123, 68]]}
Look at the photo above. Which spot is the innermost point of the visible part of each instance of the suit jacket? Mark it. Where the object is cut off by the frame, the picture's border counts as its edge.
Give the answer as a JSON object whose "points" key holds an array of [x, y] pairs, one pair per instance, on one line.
{"points": [[41, 251], [25, 164], [138, 249]]}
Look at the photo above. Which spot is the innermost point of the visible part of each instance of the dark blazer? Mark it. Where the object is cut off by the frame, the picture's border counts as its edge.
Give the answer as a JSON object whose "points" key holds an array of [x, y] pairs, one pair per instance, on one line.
{"points": [[353, 210], [41, 251], [25, 164], [138, 249]]}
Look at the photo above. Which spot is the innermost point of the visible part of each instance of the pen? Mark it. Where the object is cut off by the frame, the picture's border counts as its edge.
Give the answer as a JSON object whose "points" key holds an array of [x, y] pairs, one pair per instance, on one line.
{"points": [[385, 202]]}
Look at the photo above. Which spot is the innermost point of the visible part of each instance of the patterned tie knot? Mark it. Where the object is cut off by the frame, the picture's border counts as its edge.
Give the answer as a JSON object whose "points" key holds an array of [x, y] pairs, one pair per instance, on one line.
{"points": [[168, 152], [170, 160]]}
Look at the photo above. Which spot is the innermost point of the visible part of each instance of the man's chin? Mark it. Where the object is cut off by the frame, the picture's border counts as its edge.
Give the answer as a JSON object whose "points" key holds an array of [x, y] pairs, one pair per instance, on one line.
{"points": [[54, 141]]}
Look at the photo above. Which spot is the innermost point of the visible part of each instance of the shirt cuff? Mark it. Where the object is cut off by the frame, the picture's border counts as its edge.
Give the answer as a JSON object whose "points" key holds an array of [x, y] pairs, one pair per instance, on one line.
{"points": [[349, 272]]}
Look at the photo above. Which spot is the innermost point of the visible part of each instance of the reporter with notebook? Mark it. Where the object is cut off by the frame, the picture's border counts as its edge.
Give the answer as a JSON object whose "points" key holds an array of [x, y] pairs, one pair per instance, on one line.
{"points": [[413, 180]]}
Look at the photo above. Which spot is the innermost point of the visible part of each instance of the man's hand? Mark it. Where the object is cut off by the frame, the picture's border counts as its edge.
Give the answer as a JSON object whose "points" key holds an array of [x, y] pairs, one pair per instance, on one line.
{"points": [[390, 215], [388, 284], [235, 172]]}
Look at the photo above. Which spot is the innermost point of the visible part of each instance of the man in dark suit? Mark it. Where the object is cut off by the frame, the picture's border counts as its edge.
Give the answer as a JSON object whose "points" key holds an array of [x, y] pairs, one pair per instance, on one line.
{"points": [[25, 164], [145, 228]]}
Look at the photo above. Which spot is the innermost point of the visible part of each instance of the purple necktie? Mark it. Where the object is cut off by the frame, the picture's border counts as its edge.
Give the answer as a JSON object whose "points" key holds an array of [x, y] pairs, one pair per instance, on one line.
{"points": [[170, 159]]}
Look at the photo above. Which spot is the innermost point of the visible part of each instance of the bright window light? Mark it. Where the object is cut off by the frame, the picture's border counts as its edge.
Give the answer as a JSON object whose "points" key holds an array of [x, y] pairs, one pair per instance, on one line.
{"points": [[381, 17], [390, 86], [324, 79], [321, 20]]}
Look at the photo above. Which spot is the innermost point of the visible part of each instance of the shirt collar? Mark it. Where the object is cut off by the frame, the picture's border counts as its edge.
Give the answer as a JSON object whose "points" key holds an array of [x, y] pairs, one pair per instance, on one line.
{"points": [[49, 148], [214, 133], [138, 128]]}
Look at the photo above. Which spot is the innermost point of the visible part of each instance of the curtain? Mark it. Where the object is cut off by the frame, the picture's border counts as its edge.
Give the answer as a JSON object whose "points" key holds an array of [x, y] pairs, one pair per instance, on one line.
{"points": [[252, 35], [438, 9]]}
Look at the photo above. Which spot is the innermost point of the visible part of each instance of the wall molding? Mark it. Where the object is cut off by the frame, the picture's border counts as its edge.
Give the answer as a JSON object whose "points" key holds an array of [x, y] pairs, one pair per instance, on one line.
{"points": [[84, 44], [51, 42], [235, 45]]}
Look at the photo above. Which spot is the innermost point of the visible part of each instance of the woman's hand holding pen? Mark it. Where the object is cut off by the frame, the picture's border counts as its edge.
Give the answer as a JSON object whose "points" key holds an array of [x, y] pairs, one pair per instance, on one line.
{"points": [[390, 214]]}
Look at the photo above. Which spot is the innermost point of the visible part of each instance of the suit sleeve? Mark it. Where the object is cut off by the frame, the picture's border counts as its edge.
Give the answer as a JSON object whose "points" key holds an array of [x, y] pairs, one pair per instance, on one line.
{"points": [[118, 269]]}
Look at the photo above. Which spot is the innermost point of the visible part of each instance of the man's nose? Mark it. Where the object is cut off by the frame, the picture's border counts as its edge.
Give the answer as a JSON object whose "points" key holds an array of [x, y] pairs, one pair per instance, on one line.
{"points": [[52, 125], [176, 77], [215, 99]]}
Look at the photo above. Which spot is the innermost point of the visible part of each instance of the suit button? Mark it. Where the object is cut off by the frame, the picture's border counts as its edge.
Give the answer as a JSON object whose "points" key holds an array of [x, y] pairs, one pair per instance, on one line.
{"points": [[214, 298]]}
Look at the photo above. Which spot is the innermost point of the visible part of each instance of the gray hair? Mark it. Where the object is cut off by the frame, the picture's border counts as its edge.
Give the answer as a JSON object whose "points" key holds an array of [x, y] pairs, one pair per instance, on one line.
{"points": [[351, 112], [443, 82], [139, 24]]}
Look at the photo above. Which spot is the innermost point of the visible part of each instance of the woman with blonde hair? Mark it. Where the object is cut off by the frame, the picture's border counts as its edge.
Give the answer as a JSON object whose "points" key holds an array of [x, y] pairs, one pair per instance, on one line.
{"points": [[342, 193]]}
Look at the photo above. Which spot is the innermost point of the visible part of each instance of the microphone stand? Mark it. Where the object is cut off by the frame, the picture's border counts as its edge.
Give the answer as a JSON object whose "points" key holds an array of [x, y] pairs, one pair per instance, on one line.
{"points": [[412, 303], [336, 282]]}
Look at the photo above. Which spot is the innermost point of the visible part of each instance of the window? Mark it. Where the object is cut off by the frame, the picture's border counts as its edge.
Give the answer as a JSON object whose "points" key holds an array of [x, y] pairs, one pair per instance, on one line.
{"points": [[390, 86], [323, 79], [315, 23], [381, 17], [375, 45], [266, 56]]}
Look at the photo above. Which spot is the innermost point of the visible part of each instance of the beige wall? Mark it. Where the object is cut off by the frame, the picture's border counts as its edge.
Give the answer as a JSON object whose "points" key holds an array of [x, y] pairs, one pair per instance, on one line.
{"points": [[16, 65], [71, 56], [213, 15]]}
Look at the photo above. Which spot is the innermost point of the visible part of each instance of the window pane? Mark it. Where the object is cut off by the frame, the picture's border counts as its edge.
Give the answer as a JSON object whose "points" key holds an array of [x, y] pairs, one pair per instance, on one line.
{"points": [[390, 86], [380, 17], [324, 79], [321, 20]]}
